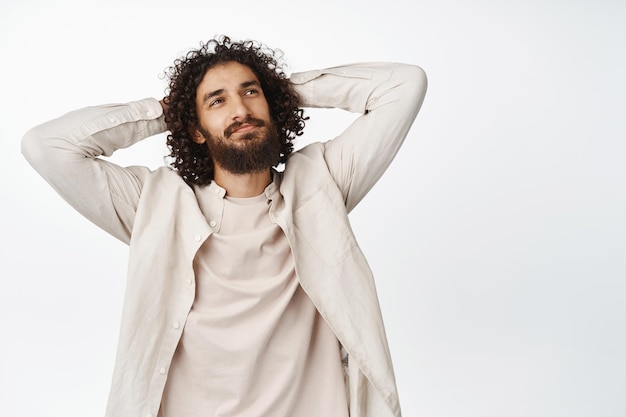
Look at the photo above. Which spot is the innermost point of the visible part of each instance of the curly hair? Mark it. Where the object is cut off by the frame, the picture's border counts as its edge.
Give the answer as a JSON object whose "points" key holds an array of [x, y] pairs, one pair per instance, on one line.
{"points": [[192, 160]]}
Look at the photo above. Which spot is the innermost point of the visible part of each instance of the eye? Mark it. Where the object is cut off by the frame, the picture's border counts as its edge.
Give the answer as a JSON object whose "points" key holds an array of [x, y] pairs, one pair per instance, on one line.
{"points": [[215, 102], [250, 92]]}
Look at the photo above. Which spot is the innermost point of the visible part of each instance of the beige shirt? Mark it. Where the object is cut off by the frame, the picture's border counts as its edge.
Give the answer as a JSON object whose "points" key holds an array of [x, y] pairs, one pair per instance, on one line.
{"points": [[253, 343], [158, 215]]}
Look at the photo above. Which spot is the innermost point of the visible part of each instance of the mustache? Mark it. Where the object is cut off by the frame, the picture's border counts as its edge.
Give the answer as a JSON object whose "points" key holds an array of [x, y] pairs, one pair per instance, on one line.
{"points": [[236, 125]]}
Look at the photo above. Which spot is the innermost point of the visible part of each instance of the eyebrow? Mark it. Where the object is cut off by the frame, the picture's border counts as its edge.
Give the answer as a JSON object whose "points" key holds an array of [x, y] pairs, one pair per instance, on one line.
{"points": [[220, 91]]}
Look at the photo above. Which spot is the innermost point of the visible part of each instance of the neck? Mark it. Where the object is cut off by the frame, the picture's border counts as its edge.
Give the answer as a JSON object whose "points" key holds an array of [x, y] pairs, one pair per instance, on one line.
{"points": [[242, 185]]}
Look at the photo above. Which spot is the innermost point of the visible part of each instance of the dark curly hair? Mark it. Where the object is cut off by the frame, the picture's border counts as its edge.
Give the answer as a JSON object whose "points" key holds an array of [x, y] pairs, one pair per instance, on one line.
{"points": [[192, 160]]}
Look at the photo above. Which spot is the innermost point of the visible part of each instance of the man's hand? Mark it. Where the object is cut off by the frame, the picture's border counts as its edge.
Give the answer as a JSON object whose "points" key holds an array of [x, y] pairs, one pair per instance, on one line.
{"points": [[164, 103]]}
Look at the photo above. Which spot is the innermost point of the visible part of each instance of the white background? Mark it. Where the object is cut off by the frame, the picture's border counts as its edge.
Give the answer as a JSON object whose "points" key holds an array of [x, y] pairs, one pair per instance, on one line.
{"points": [[497, 238]]}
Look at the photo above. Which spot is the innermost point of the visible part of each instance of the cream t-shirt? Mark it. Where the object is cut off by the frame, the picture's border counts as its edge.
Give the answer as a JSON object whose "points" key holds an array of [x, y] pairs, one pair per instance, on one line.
{"points": [[253, 344]]}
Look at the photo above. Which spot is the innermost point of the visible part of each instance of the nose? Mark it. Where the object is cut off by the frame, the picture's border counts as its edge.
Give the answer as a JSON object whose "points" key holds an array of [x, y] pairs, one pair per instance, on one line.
{"points": [[239, 110]]}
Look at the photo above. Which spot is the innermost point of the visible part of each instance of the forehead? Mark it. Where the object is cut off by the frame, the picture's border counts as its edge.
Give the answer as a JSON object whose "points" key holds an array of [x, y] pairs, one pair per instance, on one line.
{"points": [[225, 76]]}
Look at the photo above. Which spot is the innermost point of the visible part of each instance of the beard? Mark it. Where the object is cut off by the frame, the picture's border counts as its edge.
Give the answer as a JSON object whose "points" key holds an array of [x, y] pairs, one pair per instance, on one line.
{"points": [[253, 152]]}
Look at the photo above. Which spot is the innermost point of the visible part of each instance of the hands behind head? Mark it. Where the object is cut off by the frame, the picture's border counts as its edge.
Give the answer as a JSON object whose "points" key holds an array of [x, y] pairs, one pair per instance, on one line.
{"points": [[164, 103]]}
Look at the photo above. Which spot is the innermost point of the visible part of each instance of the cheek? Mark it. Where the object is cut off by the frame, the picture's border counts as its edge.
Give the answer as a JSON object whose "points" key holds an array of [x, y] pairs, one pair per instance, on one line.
{"points": [[212, 125], [263, 111]]}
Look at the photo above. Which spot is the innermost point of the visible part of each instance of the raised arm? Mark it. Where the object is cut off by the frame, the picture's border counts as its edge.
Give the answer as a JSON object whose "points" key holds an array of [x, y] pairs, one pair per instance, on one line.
{"points": [[66, 151], [388, 96]]}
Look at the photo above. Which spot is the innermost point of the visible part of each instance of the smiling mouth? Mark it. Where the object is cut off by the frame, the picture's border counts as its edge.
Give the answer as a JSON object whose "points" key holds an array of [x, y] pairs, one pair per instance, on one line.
{"points": [[243, 127]]}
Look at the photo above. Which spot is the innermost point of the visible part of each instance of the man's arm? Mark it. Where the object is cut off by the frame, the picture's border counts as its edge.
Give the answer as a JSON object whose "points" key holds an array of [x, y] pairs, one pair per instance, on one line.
{"points": [[387, 95], [65, 153]]}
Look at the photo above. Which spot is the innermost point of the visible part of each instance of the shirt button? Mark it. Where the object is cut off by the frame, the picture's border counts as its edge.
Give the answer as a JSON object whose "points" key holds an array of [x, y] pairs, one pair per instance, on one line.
{"points": [[112, 119], [213, 223], [189, 281], [176, 325], [216, 191], [198, 238], [162, 371]]}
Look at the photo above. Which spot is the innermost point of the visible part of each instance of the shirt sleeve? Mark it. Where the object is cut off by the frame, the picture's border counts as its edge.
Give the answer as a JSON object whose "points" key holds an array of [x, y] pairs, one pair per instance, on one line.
{"points": [[388, 96], [65, 152]]}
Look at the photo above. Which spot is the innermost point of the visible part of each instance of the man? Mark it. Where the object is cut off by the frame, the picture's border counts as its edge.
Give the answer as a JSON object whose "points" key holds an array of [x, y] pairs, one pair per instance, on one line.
{"points": [[247, 293]]}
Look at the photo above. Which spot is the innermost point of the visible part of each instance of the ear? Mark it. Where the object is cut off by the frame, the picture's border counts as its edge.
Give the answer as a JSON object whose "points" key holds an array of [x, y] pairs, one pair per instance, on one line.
{"points": [[197, 136]]}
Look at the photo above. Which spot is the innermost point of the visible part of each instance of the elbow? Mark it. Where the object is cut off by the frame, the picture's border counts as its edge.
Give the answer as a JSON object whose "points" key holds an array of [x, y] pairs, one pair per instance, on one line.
{"points": [[37, 148], [32, 146], [416, 85], [408, 87]]}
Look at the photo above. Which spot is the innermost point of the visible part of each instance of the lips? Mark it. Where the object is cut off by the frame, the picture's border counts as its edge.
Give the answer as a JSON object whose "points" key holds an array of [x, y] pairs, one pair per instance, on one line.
{"points": [[244, 126]]}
